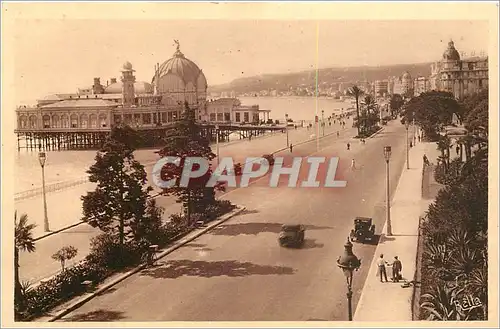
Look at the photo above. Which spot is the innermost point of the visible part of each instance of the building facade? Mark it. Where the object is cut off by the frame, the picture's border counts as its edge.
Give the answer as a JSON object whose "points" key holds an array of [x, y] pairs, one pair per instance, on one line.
{"points": [[421, 85], [461, 77], [381, 88]]}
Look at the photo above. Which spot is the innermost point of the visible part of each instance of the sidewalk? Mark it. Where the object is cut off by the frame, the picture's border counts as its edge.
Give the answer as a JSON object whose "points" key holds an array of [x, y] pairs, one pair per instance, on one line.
{"points": [[389, 301]]}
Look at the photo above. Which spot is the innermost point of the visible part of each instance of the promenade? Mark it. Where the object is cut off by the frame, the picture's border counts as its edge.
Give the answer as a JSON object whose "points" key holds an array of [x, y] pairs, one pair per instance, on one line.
{"points": [[390, 301], [64, 206]]}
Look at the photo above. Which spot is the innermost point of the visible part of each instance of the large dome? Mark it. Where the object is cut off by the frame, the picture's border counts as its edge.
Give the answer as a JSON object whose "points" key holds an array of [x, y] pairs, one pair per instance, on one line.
{"points": [[180, 74], [451, 54]]}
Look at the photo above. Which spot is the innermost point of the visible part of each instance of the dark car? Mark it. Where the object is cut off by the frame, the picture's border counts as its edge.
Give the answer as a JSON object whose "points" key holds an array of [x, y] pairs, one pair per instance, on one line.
{"points": [[269, 158], [236, 171], [363, 230], [292, 235]]}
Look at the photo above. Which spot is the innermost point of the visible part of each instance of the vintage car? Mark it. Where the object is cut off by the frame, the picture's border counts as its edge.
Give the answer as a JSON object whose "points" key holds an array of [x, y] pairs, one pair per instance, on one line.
{"points": [[363, 230], [236, 171], [269, 158], [292, 235]]}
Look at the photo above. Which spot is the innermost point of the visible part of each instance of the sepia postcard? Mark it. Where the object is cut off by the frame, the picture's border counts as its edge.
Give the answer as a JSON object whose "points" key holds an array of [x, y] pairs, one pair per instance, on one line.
{"points": [[249, 164]]}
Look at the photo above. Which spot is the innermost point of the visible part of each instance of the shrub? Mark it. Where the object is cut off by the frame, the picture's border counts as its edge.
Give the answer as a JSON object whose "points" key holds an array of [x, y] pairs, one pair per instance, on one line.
{"points": [[64, 254]]}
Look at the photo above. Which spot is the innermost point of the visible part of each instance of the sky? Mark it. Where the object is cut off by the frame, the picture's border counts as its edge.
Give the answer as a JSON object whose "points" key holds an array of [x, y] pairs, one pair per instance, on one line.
{"points": [[60, 55]]}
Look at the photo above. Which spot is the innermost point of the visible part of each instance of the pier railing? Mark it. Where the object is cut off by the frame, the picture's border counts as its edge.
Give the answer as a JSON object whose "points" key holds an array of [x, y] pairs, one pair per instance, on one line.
{"points": [[49, 188]]}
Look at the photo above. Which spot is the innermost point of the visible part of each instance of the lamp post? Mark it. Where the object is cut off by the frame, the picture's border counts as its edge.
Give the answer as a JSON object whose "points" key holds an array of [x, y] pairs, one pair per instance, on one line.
{"points": [[286, 128], [42, 157], [387, 156], [323, 120], [217, 142], [349, 263], [407, 125], [413, 124]]}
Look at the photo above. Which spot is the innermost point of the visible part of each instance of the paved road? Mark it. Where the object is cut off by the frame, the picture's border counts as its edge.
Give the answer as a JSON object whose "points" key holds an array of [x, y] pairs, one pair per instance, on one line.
{"points": [[238, 272], [64, 207]]}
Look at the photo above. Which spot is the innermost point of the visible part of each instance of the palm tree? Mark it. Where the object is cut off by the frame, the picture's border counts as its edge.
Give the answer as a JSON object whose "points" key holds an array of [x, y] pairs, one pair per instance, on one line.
{"points": [[23, 241], [440, 303], [371, 106], [356, 93]]}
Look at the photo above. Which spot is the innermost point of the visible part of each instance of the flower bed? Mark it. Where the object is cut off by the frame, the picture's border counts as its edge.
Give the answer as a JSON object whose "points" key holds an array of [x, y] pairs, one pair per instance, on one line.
{"points": [[102, 263]]}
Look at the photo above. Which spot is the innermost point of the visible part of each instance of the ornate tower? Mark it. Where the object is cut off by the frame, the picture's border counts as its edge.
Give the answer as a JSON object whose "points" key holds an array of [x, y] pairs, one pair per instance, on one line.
{"points": [[128, 79]]}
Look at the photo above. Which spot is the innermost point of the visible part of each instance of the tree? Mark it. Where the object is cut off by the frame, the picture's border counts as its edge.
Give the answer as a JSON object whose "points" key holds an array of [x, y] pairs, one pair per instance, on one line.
{"points": [[356, 92], [64, 254], [23, 241], [119, 200], [186, 140], [432, 111], [396, 103]]}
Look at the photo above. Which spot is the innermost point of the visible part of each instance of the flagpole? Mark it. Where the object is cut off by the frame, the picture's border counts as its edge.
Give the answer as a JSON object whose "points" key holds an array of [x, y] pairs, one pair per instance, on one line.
{"points": [[316, 116]]}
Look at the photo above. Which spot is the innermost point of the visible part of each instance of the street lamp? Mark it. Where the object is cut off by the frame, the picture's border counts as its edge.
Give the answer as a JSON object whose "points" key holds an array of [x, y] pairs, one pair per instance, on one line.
{"points": [[387, 156], [413, 123], [407, 125], [286, 127], [348, 263], [323, 120], [217, 142], [42, 157]]}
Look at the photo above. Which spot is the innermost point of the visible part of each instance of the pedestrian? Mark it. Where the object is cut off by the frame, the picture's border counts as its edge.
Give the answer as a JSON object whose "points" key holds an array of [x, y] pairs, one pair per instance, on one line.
{"points": [[291, 147], [397, 267], [348, 146], [419, 138], [381, 268], [411, 144], [364, 141], [426, 161], [338, 134], [353, 164]]}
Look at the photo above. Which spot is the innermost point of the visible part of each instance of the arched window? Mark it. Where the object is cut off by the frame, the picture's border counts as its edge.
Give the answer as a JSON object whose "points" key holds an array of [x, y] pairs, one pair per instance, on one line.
{"points": [[102, 120], [74, 121], [32, 121], [64, 121], [84, 121], [93, 121], [55, 121], [46, 121], [23, 121]]}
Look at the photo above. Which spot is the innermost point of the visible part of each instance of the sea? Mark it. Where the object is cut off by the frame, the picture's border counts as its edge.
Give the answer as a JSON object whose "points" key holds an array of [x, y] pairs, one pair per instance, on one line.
{"points": [[66, 166]]}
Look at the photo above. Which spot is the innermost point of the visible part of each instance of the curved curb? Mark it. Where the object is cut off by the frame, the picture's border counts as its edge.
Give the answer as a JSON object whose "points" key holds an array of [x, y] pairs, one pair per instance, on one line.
{"points": [[73, 225], [169, 250], [376, 133], [58, 231]]}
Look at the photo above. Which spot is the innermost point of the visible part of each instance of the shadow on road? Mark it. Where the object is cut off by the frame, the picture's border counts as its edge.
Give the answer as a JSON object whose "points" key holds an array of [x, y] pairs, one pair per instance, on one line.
{"points": [[232, 268], [311, 244], [256, 228], [99, 315]]}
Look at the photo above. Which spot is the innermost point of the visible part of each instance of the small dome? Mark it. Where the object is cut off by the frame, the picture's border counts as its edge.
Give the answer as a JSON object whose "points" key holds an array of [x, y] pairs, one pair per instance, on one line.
{"points": [[451, 54], [140, 87], [406, 75], [127, 66]]}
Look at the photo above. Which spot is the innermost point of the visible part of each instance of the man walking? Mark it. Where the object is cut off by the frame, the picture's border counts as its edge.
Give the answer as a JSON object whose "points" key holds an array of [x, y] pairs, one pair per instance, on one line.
{"points": [[381, 268], [397, 267], [291, 147]]}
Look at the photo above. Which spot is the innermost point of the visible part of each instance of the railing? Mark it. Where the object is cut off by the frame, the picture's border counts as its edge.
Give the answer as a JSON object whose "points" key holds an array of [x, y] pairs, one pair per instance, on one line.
{"points": [[49, 188]]}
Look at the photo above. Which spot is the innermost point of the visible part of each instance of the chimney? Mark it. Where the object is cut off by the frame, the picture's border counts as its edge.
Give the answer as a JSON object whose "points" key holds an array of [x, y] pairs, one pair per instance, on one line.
{"points": [[97, 88]]}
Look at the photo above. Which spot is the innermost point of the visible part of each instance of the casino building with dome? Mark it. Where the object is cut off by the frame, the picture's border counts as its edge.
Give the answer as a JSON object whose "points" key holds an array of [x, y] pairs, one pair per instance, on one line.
{"points": [[83, 120]]}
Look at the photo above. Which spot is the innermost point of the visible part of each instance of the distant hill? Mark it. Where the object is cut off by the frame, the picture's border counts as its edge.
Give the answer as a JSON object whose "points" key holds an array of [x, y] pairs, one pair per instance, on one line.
{"points": [[326, 77]]}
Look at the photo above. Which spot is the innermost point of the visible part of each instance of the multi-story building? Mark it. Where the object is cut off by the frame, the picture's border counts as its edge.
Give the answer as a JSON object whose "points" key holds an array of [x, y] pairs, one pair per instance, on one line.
{"points": [[421, 85], [459, 76], [381, 88], [404, 85]]}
